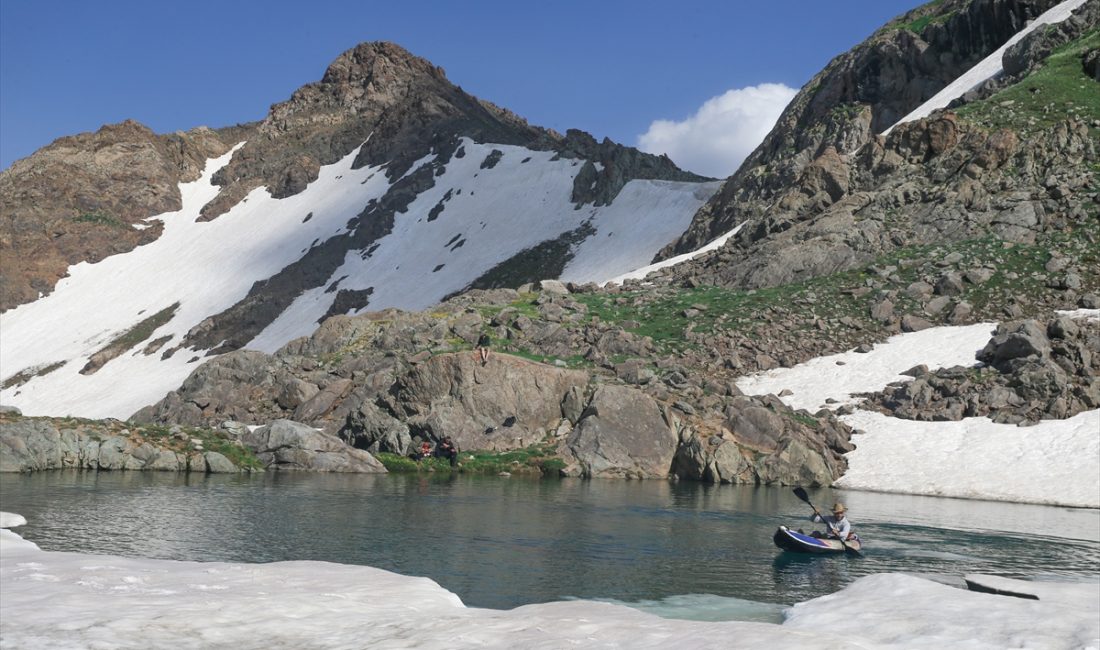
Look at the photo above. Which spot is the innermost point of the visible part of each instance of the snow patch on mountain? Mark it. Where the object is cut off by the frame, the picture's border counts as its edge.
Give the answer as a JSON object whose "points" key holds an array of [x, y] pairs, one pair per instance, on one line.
{"points": [[472, 218]]}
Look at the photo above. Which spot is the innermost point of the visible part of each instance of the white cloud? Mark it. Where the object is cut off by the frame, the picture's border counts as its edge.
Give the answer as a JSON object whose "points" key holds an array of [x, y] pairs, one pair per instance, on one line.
{"points": [[722, 133]]}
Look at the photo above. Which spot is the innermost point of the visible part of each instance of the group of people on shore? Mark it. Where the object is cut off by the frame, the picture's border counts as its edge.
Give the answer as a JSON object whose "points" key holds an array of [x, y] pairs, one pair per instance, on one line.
{"points": [[445, 449]]}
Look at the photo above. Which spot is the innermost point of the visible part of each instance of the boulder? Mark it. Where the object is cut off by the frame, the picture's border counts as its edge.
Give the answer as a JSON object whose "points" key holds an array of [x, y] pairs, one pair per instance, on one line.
{"points": [[622, 434], [223, 388], [370, 427], [1013, 342], [322, 401], [218, 464], [294, 392], [555, 287], [285, 444], [507, 403]]}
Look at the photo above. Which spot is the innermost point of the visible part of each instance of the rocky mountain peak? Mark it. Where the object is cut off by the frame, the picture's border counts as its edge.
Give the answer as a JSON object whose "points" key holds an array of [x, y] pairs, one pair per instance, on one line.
{"points": [[369, 78], [378, 62], [376, 97]]}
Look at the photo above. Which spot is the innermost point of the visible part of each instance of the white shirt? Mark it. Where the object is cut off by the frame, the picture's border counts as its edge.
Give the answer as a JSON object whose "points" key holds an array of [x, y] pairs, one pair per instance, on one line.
{"points": [[841, 524]]}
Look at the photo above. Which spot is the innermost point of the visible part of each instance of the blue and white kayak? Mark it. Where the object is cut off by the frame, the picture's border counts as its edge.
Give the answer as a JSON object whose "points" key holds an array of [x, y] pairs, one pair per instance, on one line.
{"points": [[792, 540]]}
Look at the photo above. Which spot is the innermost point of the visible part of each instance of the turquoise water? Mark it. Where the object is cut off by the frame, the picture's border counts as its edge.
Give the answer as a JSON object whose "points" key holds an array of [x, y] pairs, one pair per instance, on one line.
{"points": [[678, 549]]}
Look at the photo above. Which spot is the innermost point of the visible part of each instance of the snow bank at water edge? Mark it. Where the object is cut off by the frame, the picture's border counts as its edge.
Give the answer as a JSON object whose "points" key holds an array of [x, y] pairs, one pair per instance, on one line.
{"points": [[73, 600], [1055, 462]]}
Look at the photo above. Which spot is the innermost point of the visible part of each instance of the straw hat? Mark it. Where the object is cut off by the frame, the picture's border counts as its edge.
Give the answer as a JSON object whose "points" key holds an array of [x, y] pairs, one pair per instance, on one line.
{"points": [[839, 509]]}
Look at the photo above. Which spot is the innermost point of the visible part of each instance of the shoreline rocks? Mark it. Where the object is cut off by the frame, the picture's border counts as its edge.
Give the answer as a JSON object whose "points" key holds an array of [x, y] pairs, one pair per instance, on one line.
{"points": [[34, 444]]}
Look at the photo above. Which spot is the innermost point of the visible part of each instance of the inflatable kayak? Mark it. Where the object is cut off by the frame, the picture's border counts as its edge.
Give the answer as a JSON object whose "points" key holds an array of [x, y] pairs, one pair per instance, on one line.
{"points": [[792, 540]]}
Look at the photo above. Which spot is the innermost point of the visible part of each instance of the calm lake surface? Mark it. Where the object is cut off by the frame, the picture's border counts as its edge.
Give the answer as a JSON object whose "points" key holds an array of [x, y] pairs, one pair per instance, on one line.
{"points": [[678, 549]]}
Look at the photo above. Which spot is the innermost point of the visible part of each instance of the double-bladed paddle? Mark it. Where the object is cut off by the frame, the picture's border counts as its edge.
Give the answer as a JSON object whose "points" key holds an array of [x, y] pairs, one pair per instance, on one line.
{"points": [[851, 550]]}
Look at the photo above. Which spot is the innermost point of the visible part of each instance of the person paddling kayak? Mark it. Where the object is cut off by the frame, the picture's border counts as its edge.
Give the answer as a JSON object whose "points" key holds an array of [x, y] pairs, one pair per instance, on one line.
{"points": [[839, 526], [841, 539]]}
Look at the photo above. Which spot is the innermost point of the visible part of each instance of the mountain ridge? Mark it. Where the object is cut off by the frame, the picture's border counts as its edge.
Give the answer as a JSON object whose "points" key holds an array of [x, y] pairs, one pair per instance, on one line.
{"points": [[377, 99], [857, 95]]}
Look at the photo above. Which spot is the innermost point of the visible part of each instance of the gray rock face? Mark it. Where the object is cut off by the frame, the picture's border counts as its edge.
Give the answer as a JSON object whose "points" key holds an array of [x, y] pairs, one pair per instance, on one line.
{"points": [[387, 385], [285, 444], [507, 403], [371, 428], [221, 390], [622, 434], [764, 442], [27, 445], [855, 97]]}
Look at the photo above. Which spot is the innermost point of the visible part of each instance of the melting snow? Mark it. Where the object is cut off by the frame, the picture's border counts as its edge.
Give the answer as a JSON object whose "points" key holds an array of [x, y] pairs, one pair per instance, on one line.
{"points": [[73, 600], [988, 67]]}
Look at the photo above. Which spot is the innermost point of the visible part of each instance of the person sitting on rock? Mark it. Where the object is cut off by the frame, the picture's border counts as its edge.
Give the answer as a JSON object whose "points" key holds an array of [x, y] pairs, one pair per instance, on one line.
{"points": [[483, 348], [839, 526], [425, 450], [446, 449]]}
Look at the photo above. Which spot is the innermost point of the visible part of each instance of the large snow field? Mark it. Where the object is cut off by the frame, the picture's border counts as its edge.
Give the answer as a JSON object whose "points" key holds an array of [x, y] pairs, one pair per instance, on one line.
{"points": [[73, 600]]}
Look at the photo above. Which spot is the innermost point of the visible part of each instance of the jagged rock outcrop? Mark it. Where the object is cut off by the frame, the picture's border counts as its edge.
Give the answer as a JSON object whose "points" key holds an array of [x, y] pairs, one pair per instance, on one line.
{"points": [[385, 381], [1033, 371], [396, 108], [945, 176], [223, 389], [762, 442], [858, 95], [84, 197], [1027, 54], [288, 445]]}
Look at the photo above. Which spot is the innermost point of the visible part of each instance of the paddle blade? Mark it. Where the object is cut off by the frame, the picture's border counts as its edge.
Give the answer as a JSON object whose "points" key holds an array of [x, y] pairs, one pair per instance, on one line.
{"points": [[801, 494]]}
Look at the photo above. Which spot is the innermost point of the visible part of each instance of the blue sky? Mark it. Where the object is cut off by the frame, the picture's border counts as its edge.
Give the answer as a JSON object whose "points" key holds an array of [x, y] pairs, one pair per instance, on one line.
{"points": [[610, 68]]}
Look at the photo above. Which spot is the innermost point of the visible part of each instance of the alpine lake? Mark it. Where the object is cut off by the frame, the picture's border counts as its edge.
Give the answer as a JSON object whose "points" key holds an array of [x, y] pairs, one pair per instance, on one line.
{"points": [[681, 550]]}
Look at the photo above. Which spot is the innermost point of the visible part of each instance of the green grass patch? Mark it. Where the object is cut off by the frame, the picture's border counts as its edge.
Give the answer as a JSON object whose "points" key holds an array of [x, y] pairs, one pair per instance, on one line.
{"points": [[212, 440], [927, 14], [535, 460], [1057, 90], [807, 420], [524, 305], [100, 219], [145, 328], [918, 25]]}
